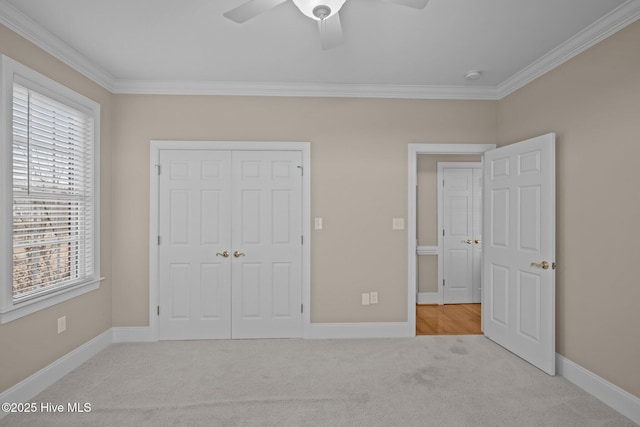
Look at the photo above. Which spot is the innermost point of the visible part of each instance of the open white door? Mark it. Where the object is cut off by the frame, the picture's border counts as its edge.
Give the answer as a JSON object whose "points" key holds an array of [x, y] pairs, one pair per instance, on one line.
{"points": [[519, 249]]}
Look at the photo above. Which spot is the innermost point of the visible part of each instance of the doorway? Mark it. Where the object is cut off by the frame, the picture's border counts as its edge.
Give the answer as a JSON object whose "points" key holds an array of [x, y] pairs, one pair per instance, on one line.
{"points": [[449, 277], [428, 252], [518, 265]]}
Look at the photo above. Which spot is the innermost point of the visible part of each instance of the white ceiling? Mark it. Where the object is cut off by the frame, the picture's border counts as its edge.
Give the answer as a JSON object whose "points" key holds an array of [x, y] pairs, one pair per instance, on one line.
{"points": [[187, 46]]}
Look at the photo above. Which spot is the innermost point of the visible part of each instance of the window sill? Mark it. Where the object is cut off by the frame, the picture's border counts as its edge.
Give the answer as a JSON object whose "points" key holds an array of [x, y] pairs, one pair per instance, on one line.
{"points": [[29, 307]]}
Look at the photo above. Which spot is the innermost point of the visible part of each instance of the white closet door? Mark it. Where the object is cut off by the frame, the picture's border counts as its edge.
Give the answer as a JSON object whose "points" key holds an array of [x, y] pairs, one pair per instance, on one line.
{"points": [[231, 249], [267, 246], [195, 214]]}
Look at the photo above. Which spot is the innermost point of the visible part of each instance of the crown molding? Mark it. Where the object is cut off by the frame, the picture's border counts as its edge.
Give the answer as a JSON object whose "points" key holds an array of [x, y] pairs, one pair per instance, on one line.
{"points": [[26, 27], [325, 90], [614, 21], [604, 27]]}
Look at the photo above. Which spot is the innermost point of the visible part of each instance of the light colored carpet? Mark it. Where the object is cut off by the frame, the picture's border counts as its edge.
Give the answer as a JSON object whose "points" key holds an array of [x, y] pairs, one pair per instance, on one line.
{"points": [[422, 381]]}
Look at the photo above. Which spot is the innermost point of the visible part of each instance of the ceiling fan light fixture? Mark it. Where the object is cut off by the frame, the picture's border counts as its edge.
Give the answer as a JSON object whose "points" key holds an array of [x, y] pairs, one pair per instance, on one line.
{"points": [[319, 9], [321, 12]]}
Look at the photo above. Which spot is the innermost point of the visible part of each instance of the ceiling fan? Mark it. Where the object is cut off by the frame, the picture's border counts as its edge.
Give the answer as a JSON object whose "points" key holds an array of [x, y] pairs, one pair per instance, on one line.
{"points": [[326, 12]]}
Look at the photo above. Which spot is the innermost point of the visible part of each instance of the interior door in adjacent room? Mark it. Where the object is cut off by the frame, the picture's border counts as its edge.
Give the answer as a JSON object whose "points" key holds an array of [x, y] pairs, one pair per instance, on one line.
{"points": [[230, 249], [519, 250], [461, 231]]}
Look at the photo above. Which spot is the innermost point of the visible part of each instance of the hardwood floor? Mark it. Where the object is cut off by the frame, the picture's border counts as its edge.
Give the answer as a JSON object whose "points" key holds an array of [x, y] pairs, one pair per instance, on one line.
{"points": [[450, 319]]}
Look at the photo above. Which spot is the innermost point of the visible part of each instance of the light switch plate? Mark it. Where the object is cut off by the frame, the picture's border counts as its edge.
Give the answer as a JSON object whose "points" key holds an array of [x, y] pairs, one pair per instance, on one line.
{"points": [[317, 223], [398, 224]]}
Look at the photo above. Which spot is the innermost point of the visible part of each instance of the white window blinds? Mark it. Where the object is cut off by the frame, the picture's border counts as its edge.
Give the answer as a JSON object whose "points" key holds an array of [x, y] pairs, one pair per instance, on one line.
{"points": [[53, 200]]}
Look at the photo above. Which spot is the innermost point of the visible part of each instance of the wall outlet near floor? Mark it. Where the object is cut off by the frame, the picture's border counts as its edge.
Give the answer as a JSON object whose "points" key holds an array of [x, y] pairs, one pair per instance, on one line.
{"points": [[62, 324], [373, 299], [397, 224], [365, 298]]}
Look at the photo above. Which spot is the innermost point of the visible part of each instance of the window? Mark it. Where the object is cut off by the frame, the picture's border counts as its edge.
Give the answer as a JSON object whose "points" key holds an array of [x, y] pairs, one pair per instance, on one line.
{"points": [[51, 152]]}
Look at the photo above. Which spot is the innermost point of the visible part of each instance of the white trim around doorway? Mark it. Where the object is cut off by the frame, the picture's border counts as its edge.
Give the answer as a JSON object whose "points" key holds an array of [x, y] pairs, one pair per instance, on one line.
{"points": [[412, 228], [154, 187]]}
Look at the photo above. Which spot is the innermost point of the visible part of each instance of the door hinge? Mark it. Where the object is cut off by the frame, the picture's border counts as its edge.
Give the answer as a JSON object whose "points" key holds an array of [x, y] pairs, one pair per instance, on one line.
{"points": [[301, 308], [443, 283], [301, 170], [302, 240], [158, 167], [443, 232], [158, 310], [158, 240]]}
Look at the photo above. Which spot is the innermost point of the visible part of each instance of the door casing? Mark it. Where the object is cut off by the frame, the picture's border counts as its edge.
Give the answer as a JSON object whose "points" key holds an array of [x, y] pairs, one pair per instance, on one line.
{"points": [[412, 227], [154, 187]]}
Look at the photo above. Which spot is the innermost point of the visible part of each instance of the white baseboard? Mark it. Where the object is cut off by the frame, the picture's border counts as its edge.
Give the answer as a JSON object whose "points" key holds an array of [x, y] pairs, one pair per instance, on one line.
{"points": [[619, 399], [30, 387], [359, 330], [428, 298], [316, 330], [132, 334]]}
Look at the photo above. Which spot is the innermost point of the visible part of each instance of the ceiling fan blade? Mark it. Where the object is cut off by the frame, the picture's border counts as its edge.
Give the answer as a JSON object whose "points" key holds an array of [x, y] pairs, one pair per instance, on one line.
{"points": [[251, 9], [416, 4], [330, 32]]}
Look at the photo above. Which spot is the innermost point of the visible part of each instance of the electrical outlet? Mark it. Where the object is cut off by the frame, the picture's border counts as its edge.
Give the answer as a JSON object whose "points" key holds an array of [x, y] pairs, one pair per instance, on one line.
{"points": [[62, 324], [397, 224], [374, 298], [365, 298]]}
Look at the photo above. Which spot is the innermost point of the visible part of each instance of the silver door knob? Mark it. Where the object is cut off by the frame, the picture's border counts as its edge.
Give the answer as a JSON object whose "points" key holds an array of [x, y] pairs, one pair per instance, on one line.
{"points": [[468, 241], [477, 241], [238, 254], [224, 254]]}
